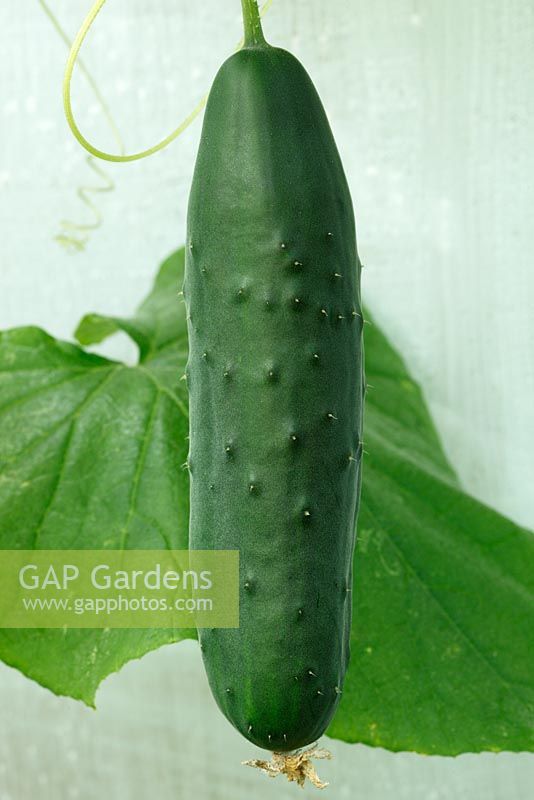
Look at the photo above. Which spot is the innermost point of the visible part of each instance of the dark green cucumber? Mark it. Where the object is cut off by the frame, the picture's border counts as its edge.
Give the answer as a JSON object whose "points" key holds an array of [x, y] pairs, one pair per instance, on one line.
{"points": [[276, 391]]}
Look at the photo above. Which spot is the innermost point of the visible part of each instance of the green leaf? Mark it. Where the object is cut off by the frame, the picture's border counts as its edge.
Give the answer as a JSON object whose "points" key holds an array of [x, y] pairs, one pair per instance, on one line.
{"points": [[159, 326], [443, 608], [91, 456]]}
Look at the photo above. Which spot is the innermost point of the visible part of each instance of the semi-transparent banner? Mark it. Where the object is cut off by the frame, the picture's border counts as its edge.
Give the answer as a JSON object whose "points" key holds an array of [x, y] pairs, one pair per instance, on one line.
{"points": [[119, 589]]}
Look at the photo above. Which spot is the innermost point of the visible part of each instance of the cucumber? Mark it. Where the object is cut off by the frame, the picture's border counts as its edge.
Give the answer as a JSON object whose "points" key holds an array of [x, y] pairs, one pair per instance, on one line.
{"points": [[275, 375]]}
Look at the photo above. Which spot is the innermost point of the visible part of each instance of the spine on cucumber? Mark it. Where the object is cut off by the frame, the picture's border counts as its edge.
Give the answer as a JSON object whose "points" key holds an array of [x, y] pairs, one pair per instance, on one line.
{"points": [[275, 375]]}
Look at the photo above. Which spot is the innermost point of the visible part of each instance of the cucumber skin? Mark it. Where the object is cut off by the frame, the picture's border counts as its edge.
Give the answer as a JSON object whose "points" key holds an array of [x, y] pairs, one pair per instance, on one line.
{"points": [[276, 393]]}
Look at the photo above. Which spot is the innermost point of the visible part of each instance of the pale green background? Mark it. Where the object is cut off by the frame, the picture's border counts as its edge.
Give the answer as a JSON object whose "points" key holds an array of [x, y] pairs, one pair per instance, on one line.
{"points": [[432, 104]]}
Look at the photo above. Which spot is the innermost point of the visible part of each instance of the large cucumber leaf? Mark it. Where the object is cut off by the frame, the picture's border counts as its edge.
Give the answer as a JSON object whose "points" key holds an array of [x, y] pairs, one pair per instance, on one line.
{"points": [[442, 641], [92, 454]]}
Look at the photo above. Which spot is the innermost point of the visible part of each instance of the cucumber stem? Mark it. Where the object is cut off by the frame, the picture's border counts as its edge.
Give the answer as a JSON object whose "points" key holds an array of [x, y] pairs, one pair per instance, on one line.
{"points": [[252, 22]]}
